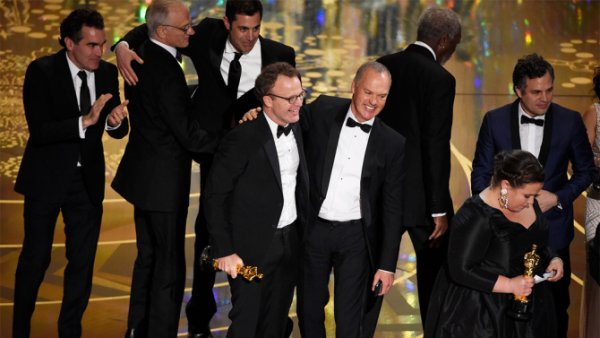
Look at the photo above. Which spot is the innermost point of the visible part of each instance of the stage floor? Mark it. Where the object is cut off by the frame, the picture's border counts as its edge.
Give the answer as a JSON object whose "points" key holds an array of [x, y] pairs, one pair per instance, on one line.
{"points": [[331, 39]]}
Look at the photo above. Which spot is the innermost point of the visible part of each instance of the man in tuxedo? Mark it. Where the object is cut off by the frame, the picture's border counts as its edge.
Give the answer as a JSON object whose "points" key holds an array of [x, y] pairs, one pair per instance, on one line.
{"points": [[154, 173], [420, 108], [556, 136], [70, 98], [355, 164], [228, 55], [256, 202]]}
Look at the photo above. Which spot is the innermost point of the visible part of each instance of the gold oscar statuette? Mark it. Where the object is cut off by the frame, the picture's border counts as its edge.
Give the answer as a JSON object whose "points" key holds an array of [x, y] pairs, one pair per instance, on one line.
{"points": [[248, 272], [521, 309]]}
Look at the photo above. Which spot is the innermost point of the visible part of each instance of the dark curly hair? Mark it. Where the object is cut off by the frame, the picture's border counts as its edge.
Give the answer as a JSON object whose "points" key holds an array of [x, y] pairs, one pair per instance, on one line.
{"points": [[518, 167], [531, 66], [71, 26]]}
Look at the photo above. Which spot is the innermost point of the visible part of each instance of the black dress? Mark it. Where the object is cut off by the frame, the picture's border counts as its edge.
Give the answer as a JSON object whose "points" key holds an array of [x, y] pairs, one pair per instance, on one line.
{"points": [[484, 244]]}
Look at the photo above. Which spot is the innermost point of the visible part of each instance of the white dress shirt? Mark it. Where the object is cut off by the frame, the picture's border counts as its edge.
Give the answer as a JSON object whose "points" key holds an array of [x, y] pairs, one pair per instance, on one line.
{"points": [[91, 82], [423, 44], [251, 66], [531, 135], [289, 159], [342, 202]]}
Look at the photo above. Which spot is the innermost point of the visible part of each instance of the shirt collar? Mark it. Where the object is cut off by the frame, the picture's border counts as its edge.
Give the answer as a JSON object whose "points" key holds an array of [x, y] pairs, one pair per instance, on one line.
{"points": [[230, 49], [74, 69], [423, 44], [522, 112], [350, 114], [172, 50], [272, 125]]}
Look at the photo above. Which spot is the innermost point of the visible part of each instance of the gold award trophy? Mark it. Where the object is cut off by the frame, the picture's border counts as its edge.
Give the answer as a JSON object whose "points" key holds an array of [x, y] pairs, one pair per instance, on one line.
{"points": [[520, 309], [248, 272]]}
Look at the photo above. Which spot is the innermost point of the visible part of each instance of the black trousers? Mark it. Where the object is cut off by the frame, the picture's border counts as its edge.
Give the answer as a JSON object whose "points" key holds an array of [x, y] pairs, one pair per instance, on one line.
{"points": [[158, 273], [340, 246], [202, 306], [560, 291], [260, 307], [82, 227]]}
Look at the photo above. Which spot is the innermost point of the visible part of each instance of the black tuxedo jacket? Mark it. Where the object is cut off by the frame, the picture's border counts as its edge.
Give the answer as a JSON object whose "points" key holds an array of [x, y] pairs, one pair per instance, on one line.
{"points": [[212, 99], [244, 196], [154, 173], [420, 108], [382, 178], [564, 141], [54, 146]]}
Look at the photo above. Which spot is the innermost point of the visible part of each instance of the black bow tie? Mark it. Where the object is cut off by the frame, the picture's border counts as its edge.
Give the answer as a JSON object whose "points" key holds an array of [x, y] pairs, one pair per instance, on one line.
{"points": [[364, 127], [284, 130], [537, 122]]}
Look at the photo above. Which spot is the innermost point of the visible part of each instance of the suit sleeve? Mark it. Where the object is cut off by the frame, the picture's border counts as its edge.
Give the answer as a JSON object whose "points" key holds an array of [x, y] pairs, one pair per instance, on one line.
{"points": [[175, 109], [134, 37], [483, 162], [228, 165], [582, 163], [469, 241], [392, 210], [437, 128], [123, 129], [43, 126]]}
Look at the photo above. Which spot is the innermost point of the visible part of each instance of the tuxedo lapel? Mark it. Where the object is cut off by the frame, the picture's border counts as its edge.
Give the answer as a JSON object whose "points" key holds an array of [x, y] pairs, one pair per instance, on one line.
{"points": [[371, 153], [216, 55], [547, 138], [265, 55], [303, 168], [63, 74], [514, 126], [332, 142], [270, 149]]}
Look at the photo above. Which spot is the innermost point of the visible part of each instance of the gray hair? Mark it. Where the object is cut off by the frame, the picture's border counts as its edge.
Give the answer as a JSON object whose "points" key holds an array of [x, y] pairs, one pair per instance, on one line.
{"points": [[158, 12], [374, 65], [437, 22]]}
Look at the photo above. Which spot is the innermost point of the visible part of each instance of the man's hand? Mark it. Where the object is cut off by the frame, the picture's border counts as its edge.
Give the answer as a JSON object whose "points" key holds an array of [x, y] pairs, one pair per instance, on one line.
{"points": [[92, 117], [230, 264], [441, 226], [387, 280], [118, 114], [124, 58], [546, 200], [556, 265], [250, 115]]}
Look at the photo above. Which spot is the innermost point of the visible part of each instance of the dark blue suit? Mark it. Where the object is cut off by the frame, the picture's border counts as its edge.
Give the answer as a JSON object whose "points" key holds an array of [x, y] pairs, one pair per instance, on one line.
{"points": [[564, 141]]}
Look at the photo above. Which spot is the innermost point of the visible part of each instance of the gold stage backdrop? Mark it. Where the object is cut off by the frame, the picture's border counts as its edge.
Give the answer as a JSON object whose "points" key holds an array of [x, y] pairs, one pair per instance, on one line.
{"points": [[331, 38]]}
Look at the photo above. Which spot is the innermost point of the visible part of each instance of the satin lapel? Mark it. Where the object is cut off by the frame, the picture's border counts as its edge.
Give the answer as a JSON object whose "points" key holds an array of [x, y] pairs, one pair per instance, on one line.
{"points": [[99, 82], [303, 172], [332, 142], [270, 149], [216, 56], [64, 75], [371, 153], [265, 54], [547, 138], [514, 125]]}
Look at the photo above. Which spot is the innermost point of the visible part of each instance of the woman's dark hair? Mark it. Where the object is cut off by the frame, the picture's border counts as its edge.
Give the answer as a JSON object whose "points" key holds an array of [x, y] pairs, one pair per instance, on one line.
{"points": [[518, 167]]}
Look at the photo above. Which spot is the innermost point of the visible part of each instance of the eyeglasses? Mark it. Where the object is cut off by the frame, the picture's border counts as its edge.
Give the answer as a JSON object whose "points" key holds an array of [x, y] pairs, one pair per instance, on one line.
{"points": [[291, 99], [184, 29]]}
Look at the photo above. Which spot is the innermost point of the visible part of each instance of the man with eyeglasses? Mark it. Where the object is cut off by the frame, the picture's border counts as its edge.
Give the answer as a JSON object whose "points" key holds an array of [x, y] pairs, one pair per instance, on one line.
{"points": [[256, 202], [154, 173], [228, 54]]}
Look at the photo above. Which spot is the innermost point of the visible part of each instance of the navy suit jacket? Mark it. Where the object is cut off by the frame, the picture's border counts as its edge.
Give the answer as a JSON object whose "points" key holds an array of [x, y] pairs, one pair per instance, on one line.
{"points": [[381, 181], [564, 141]]}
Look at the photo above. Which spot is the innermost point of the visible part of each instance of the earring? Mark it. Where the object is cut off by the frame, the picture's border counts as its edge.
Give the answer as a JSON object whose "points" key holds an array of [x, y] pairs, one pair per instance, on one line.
{"points": [[503, 199]]}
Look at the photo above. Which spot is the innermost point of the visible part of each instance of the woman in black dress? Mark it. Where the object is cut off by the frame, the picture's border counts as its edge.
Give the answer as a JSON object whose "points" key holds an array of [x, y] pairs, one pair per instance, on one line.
{"points": [[489, 236]]}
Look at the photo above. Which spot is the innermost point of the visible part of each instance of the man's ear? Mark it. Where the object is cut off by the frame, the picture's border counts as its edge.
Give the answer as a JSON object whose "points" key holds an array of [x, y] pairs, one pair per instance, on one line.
{"points": [[227, 23], [69, 44]]}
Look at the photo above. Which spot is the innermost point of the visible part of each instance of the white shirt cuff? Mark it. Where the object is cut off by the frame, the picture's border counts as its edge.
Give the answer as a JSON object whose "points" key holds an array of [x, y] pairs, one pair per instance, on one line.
{"points": [[81, 130]]}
